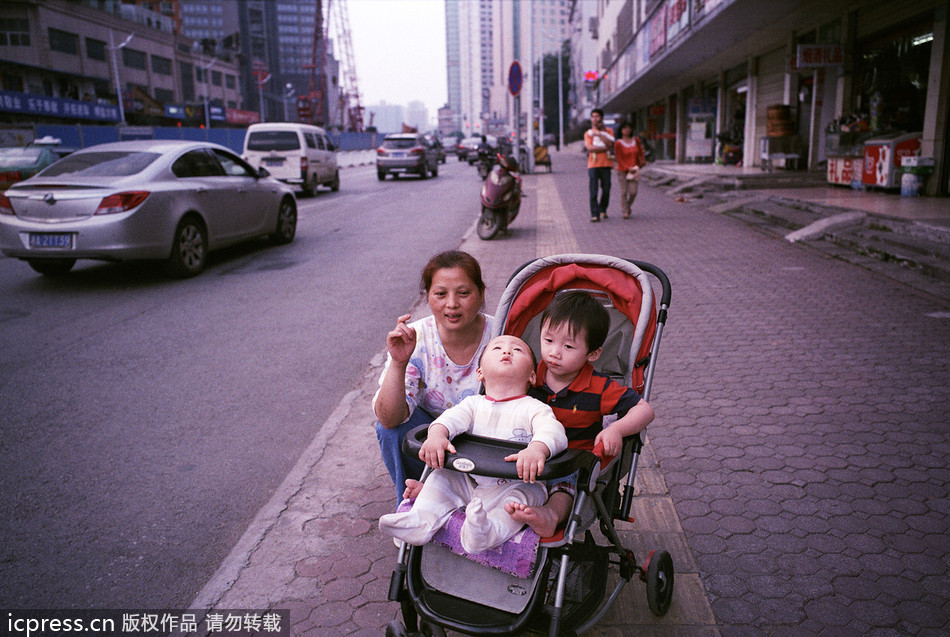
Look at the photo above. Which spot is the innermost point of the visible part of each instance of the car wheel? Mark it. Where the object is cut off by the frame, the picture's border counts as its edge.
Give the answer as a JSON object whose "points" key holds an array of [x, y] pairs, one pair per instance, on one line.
{"points": [[310, 188], [335, 184], [381, 174], [52, 267], [286, 223], [189, 249], [435, 170]]}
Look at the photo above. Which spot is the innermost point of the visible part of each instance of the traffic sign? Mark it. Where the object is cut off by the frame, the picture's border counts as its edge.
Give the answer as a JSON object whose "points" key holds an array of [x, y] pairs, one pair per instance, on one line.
{"points": [[515, 78]]}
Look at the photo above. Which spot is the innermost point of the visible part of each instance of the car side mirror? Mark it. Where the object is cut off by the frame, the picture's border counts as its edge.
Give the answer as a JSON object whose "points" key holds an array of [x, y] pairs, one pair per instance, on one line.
{"points": [[331, 146], [263, 172]]}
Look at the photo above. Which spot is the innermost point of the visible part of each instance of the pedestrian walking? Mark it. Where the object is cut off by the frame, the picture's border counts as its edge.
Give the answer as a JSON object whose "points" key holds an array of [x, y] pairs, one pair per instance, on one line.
{"points": [[628, 150], [599, 142]]}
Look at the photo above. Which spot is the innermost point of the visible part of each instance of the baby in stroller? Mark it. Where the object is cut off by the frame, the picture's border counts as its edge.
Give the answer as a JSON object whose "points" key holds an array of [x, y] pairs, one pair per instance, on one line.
{"points": [[505, 412]]}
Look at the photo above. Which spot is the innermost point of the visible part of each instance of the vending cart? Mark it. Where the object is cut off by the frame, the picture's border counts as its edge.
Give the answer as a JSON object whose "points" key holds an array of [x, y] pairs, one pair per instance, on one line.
{"points": [[882, 159]]}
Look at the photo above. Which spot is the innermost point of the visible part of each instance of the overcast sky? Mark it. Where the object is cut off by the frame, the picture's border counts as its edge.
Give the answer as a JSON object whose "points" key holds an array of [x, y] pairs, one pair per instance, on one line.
{"points": [[399, 51]]}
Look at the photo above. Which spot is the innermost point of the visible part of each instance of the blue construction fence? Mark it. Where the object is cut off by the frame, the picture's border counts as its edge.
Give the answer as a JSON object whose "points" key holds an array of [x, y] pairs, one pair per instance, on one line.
{"points": [[82, 135]]}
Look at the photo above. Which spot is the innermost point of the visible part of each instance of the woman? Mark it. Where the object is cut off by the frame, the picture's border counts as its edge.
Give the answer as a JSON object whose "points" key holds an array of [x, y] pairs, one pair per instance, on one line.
{"points": [[432, 361], [630, 158]]}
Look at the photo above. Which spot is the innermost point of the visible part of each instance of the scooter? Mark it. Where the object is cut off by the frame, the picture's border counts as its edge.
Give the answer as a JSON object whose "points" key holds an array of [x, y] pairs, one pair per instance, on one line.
{"points": [[501, 198]]}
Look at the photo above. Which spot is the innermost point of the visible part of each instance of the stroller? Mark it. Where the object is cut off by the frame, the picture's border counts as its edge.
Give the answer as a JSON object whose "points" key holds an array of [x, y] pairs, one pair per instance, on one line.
{"points": [[560, 588]]}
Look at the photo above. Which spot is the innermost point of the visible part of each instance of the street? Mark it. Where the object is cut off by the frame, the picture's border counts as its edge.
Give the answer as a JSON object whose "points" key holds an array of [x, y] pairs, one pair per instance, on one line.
{"points": [[799, 453], [146, 420]]}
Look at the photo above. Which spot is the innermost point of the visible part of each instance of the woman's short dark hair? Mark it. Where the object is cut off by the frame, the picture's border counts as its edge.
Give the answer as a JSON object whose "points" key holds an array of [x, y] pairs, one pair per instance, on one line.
{"points": [[627, 125], [579, 311], [598, 111], [453, 259]]}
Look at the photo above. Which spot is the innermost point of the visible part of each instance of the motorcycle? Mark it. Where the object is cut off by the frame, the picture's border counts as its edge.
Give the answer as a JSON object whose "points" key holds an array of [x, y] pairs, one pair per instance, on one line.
{"points": [[501, 198]]}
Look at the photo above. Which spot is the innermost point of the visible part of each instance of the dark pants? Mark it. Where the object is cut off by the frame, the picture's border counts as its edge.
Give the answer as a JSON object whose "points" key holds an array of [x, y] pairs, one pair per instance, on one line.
{"points": [[599, 179], [397, 464]]}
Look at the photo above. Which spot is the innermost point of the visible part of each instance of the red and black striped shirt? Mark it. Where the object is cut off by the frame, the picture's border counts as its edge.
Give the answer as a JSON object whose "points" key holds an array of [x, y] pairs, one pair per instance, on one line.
{"points": [[582, 405]]}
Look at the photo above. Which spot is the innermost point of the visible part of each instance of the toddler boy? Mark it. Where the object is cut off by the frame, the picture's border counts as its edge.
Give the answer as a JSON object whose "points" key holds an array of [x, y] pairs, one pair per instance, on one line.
{"points": [[573, 330]]}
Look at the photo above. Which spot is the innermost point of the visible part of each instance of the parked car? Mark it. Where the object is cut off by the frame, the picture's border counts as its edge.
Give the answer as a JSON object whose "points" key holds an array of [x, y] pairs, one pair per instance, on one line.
{"points": [[168, 200], [297, 154], [406, 153], [22, 162]]}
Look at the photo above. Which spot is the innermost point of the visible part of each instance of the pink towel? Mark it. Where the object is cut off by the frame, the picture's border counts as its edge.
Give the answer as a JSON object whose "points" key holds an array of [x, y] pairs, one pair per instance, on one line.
{"points": [[516, 557]]}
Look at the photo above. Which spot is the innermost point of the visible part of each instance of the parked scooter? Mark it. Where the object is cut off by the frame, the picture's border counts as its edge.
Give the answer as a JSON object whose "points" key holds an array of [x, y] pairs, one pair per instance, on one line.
{"points": [[501, 197]]}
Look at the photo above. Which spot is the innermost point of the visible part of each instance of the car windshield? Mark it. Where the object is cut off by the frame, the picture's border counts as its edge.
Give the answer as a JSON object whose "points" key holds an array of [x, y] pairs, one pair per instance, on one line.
{"points": [[400, 143], [273, 140], [101, 164], [19, 156]]}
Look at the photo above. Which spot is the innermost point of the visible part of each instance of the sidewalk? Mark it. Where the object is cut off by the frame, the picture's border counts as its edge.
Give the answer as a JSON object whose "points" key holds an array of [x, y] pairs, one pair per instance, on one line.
{"points": [[797, 470]]}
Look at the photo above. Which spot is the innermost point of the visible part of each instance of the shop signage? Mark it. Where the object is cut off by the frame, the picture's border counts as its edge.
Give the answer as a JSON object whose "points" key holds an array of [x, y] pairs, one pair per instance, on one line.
{"points": [[657, 32], [810, 56], [14, 102], [700, 107], [702, 8], [238, 116], [677, 18]]}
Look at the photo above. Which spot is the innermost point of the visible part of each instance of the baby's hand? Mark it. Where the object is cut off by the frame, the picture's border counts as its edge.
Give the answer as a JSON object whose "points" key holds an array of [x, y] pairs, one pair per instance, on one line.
{"points": [[612, 441], [433, 450], [530, 461]]}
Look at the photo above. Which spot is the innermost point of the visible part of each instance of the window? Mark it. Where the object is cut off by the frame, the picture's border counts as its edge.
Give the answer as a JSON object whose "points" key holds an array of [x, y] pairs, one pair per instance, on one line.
{"points": [[164, 96], [133, 59], [311, 142], [14, 32], [230, 81], [162, 66], [197, 163], [95, 49], [63, 42], [216, 78], [233, 166]]}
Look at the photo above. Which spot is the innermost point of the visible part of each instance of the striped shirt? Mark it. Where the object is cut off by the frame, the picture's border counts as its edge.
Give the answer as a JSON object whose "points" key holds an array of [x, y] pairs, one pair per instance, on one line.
{"points": [[582, 405]]}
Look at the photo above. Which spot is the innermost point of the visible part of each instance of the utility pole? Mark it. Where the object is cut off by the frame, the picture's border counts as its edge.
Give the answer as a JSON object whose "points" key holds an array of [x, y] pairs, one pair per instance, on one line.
{"points": [[115, 70]]}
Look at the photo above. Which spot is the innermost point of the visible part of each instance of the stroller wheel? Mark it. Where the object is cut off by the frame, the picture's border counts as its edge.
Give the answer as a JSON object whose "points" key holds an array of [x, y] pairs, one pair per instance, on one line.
{"points": [[396, 628], [432, 630], [660, 583]]}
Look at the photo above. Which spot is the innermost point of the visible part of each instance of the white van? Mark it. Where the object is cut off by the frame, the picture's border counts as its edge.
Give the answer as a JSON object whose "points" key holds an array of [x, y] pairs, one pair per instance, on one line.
{"points": [[296, 154]]}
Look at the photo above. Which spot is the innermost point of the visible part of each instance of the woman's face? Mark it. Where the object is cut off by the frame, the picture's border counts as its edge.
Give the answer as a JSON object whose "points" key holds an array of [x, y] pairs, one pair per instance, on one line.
{"points": [[454, 298]]}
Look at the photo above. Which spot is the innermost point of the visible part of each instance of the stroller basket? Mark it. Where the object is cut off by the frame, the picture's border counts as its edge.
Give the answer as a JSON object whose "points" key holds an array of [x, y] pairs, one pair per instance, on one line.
{"points": [[566, 590]]}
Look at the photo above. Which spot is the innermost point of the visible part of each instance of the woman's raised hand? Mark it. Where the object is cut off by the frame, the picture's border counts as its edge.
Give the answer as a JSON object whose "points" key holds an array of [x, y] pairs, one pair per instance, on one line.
{"points": [[402, 340]]}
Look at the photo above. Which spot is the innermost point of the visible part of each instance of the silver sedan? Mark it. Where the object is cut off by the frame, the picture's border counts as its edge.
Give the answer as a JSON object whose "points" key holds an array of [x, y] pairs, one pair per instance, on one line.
{"points": [[168, 200]]}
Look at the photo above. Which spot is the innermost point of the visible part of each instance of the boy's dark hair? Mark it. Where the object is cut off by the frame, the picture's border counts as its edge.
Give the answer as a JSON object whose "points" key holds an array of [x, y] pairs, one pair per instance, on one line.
{"points": [[579, 311]]}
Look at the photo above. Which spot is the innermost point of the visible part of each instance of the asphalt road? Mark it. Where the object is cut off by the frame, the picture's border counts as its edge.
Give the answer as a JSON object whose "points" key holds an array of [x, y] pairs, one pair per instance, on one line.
{"points": [[145, 421]]}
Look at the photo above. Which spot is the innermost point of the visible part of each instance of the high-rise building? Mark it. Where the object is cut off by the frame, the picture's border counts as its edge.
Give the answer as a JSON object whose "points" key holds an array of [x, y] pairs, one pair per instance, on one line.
{"points": [[270, 38]]}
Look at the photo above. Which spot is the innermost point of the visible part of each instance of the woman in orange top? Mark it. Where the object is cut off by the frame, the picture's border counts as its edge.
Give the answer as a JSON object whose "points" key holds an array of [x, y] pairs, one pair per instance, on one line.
{"points": [[630, 158]]}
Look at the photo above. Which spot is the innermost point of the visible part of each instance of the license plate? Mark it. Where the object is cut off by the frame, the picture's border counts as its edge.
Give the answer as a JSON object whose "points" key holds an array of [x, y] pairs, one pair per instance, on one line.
{"points": [[399, 154], [273, 162], [51, 240]]}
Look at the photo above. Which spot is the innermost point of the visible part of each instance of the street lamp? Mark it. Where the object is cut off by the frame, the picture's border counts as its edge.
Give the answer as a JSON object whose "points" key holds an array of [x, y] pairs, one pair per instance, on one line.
{"points": [[288, 95], [115, 70], [204, 75]]}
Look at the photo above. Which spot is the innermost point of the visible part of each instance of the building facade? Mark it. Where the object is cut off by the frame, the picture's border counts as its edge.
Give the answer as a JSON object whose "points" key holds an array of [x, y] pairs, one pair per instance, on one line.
{"points": [[61, 61], [825, 77]]}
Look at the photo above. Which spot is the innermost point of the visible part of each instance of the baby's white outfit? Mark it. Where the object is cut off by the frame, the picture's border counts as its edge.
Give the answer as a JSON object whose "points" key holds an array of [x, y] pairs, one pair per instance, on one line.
{"points": [[487, 524]]}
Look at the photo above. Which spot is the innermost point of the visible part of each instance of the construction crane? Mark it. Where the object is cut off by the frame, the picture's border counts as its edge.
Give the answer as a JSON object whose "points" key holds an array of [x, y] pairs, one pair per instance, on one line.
{"points": [[316, 105]]}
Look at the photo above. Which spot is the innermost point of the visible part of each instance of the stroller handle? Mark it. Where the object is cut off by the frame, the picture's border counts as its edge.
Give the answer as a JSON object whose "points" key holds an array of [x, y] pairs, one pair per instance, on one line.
{"points": [[486, 456]]}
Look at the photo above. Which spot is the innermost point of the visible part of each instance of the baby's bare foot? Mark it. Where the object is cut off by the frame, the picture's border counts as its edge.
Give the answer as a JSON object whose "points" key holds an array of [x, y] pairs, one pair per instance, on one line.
{"points": [[413, 487], [541, 520]]}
